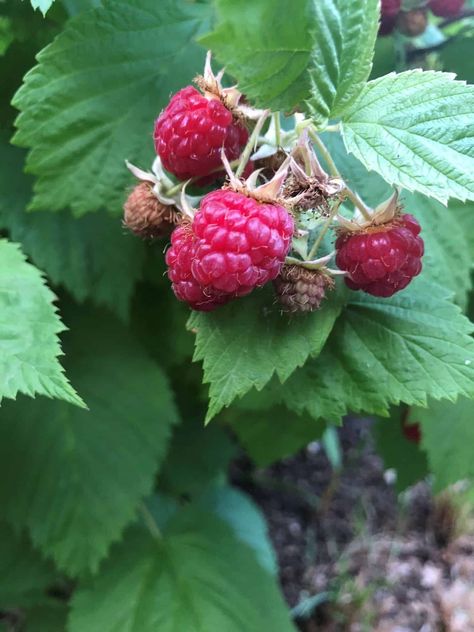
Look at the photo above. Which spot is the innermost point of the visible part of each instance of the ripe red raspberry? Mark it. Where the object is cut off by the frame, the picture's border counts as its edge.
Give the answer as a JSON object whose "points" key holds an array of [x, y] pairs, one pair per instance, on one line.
{"points": [[191, 132], [391, 8], [411, 431], [381, 260], [446, 8], [146, 216], [179, 258], [241, 243]]}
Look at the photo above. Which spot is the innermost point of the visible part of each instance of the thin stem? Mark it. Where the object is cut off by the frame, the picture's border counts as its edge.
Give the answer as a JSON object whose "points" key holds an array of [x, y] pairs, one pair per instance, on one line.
{"points": [[177, 187], [276, 120], [355, 199], [324, 230], [333, 128], [150, 522], [249, 147], [325, 153]]}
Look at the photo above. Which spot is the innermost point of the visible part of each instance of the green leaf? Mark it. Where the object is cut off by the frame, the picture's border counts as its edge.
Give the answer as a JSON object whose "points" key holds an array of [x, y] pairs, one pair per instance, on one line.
{"points": [[265, 49], [47, 618], [243, 345], [245, 519], [197, 456], [415, 130], [398, 452], [42, 5], [456, 56], [412, 346], [198, 577], [447, 436], [91, 101], [79, 475], [272, 434], [29, 328], [24, 574], [91, 256], [345, 32]]}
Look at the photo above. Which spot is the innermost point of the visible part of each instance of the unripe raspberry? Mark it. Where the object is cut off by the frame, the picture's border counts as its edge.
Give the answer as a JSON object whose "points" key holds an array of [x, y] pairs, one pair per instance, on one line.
{"points": [[381, 259], [446, 8], [191, 132], [412, 23], [146, 216], [241, 243], [301, 290], [179, 258]]}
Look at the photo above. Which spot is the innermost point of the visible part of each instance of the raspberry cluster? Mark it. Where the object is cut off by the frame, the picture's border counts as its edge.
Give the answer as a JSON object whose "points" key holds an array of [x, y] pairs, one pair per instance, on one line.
{"points": [[242, 234], [413, 22], [383, 259]]}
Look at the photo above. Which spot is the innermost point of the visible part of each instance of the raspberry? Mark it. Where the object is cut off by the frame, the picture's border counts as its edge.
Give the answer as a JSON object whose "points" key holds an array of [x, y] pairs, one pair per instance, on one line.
{"points": [[146, 216], [179, 259], [191, 132], [390, 10], [446, 8], [241, 243], [412, 431], [301, 290], [412, 23], [381, 260]]}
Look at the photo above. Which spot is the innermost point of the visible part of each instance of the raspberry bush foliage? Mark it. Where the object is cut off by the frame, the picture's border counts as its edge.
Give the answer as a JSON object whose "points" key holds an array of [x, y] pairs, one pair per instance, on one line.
{"points": [[223, 230]]}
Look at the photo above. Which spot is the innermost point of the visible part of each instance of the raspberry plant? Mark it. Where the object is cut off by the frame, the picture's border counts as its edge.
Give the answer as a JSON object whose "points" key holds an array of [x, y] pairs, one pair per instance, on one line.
{"points": [[313, 208]]}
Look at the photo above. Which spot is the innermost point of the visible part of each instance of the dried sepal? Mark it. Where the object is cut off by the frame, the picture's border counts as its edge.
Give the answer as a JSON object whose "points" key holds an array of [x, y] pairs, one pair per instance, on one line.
{"points": [[384, 214]]}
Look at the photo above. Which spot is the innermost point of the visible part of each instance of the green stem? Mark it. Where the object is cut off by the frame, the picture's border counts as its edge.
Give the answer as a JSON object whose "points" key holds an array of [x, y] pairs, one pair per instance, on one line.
{"points": [[355, 199], [276, 119], [325, 153], [249, 147], [150, 522], [324, 230], [333, 128]]}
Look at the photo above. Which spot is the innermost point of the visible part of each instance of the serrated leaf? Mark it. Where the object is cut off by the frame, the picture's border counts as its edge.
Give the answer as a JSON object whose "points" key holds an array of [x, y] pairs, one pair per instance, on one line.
{"points": [[79, 475], [273, 433], [91, 256], [42, 5], [265, 50], [447, 435], [91, 101], [197, 455], [24, 574], [29, 328], [243, 345], [415, 130], [47, 618], [345, 32], [197, 577], [398, 452], [407, 348], [245, 519]]}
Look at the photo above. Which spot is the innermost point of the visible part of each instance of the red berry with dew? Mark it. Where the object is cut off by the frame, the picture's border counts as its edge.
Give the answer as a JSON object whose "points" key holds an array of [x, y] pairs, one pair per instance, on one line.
{"points": [[446, 8], [179, 258], [241, 242], [381, 260], [191, 132]]}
